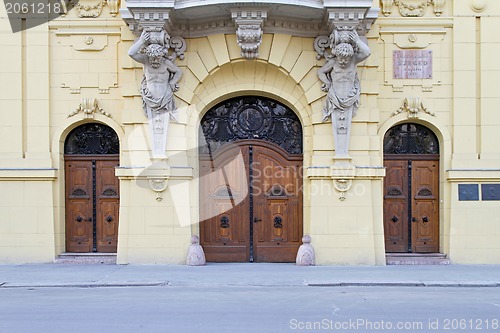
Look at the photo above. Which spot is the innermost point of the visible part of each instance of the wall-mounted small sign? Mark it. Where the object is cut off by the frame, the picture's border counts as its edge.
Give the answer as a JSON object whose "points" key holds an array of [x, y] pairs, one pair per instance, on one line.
{"points": [[412, 64], [490, 192], [468, 192]]}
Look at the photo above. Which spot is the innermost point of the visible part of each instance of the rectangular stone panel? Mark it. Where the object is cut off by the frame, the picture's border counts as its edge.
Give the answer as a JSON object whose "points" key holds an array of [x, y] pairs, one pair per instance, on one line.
{"points": [[412, 64], [468, 192]]}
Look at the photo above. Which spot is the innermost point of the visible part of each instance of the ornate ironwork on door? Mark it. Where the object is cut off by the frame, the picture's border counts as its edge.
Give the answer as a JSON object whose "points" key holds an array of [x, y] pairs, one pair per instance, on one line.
{"points": [[92, 139], [250, 118], [410, 139]]}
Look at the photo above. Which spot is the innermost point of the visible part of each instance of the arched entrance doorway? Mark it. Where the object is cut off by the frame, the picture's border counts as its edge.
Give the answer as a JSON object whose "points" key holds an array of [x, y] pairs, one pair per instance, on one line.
{"points": [[250, 181], [411, 189], [91, 153]]}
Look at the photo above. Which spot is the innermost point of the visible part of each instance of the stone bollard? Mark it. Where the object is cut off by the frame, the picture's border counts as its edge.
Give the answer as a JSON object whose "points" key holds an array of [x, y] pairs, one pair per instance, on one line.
{"points": [[195, 256], [305, 255]]}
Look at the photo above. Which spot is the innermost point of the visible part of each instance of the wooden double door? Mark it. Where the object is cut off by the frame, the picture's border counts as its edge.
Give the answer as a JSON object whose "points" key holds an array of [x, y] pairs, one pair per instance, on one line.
{"points": [[411, 204], [251, 204], [92, 203]]}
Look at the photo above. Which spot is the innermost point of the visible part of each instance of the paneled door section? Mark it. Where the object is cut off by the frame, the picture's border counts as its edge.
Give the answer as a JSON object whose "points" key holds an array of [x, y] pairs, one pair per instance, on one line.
{"points": [[251, 204], [92, 204], [411, 205]]}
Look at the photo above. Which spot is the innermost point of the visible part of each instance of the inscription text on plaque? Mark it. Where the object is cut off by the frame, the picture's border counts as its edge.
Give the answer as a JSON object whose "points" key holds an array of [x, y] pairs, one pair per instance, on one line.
{"points": [[412, 64]]}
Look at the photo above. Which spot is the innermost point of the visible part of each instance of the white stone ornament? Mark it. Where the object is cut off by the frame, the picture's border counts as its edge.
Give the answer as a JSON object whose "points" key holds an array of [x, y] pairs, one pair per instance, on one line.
{"points": [[195, 256], [342, 185], [249, 32], [158, 185], [305, 254], [88, 107]]}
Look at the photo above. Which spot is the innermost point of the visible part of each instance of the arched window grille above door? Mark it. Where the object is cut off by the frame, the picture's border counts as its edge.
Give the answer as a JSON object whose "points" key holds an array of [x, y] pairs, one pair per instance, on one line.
{"points": [[410, 139], [92, 139], [250, 117]]}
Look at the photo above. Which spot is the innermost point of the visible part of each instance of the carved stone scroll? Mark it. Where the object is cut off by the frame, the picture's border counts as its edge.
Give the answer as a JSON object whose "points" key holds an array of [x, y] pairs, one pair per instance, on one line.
{"points": [[89, 107], [412, 105]]}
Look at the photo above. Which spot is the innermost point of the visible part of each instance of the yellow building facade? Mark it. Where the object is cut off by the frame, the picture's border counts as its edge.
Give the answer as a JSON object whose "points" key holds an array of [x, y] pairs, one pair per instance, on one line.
{"points": [[422, 175]]}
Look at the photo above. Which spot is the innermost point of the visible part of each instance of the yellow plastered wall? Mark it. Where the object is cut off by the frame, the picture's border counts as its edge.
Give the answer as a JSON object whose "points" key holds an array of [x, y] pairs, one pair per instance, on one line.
{"points": [[47, 70]]}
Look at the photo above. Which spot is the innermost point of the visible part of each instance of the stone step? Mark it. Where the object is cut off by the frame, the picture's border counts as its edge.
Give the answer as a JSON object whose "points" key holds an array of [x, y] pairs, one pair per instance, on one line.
{"points": [[86, 258], [417, 259]]}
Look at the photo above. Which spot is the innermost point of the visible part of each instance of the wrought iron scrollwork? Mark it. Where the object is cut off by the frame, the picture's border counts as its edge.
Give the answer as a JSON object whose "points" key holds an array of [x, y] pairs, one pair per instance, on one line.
{"points": [[278, 222], [224, 222], [92, 139], [250, 118], [410, 139]]}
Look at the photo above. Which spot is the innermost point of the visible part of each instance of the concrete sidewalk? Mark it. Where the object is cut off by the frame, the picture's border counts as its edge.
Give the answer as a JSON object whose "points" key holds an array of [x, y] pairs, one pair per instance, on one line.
{"points": [[247, 274]]}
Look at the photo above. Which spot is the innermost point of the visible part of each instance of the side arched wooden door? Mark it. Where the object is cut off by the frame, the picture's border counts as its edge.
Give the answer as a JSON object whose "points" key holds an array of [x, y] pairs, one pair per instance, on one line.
{"points": [[411, 189], [92, 189]]}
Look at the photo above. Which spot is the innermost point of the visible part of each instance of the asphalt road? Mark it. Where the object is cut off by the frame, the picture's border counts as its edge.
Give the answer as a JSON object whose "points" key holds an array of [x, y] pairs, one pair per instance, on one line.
{"points": [[250, 309]]}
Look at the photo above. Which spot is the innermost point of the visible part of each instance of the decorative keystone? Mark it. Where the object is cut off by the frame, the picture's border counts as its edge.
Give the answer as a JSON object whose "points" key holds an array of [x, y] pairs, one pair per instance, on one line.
{"points": [[249, 32]]}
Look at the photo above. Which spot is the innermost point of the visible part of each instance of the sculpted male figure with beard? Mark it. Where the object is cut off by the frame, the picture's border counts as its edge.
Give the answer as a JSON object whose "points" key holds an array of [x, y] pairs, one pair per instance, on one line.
{"points": [[161, 75], [340, 80]]}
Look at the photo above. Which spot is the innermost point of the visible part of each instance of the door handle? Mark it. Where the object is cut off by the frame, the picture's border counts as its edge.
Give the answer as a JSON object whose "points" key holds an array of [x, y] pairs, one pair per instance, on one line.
{"points": [[79, 218], [413, 219], [255, 220], [89, 219]]}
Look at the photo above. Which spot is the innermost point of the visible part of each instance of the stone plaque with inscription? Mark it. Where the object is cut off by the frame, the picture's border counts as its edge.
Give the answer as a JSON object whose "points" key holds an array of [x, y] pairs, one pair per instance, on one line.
{"points": [[412, 64]]}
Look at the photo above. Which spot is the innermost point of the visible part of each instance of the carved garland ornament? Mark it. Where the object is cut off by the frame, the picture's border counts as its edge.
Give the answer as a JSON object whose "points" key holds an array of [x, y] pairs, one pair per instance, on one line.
{"points": [[412, 8], [85, 9]]}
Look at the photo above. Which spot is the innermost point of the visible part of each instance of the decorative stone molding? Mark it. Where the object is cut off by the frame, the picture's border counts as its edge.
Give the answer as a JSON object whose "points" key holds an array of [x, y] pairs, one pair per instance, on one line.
{"points": [[305, 254], [478, 5], [342, 185], [357, 14], [196, 255], [158, 185], [413, 106], [89, 107], [412, 8], [300, 18], [114, 7], [86, 9], [249, 32]]}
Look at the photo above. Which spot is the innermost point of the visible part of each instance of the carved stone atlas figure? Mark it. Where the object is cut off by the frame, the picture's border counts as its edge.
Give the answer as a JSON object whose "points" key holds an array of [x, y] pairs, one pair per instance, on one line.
{"points": [[340, 80]]}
